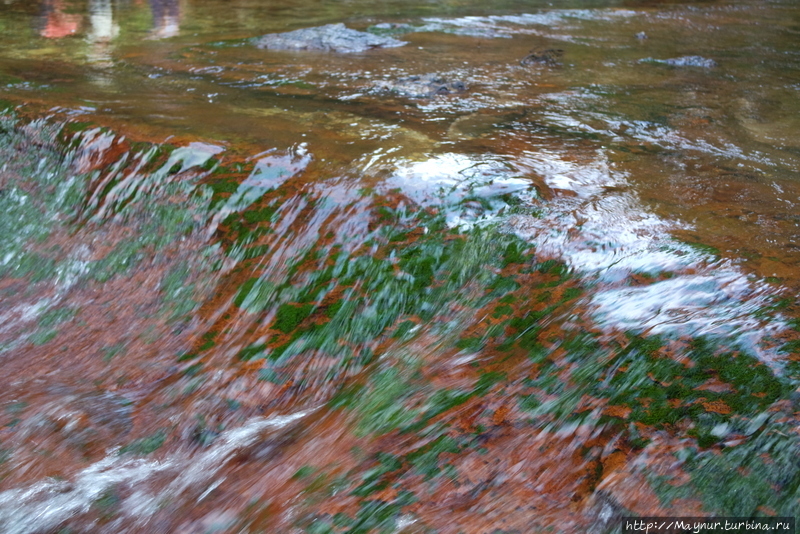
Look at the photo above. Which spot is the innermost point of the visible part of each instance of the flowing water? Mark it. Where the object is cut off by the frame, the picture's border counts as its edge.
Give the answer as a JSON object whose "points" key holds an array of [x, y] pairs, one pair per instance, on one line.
{"points": [[249, 290]]}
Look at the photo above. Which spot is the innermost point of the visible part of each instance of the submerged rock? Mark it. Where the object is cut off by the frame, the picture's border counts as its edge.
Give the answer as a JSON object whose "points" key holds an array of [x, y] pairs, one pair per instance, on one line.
{"points": [[424, 86], [542, 56], [329, 38], [685, 61], [392, 28]]}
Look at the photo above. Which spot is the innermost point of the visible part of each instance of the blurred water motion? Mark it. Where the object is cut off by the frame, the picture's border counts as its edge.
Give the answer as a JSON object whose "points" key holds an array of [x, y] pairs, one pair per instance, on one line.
{"points": [[245, 290]]}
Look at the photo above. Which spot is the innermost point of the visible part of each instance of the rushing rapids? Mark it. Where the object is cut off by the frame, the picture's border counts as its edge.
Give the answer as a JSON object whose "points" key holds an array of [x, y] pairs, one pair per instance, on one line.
{"points": [[533, 271]]}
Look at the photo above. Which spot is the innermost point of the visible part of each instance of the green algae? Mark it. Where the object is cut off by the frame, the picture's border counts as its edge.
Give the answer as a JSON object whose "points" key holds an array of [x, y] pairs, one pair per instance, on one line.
{"points": [[270, 375], [703, 248], [663, 392], [380, 407], [109, 352], [426, 460], [146, 445], [304, 472], [50, 196], [288, 317], [179, 293], [43, 337], [373, 516], [740, 480], [53, 317], [253, 351], [488, 380]]}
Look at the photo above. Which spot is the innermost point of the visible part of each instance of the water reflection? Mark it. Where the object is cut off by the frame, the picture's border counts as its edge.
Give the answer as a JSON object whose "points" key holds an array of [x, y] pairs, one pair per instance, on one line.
{"points": [[54, 23], [102, 31], [166, 18]]}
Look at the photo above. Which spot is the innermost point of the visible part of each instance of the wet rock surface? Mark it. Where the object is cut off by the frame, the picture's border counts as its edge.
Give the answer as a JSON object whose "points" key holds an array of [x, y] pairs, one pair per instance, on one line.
{"points": [[549, 57], [424, 86], [329, 38], [392, 28]]}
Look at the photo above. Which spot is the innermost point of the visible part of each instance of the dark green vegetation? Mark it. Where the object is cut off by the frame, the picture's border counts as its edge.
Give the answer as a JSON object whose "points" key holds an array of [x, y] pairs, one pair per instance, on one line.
{"points": [[146, 445]]}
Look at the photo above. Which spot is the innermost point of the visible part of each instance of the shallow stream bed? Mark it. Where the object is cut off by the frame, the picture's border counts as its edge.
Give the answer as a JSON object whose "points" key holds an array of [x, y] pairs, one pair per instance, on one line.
{"points": [[535, 270]]}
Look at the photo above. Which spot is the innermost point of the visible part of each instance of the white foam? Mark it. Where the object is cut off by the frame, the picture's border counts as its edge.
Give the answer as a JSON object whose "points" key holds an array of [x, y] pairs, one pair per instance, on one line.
{"points": [[46, 504]]}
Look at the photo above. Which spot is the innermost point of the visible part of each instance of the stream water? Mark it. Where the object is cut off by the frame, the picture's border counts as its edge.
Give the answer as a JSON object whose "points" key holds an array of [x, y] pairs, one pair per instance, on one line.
{"points": [[251, 290]]}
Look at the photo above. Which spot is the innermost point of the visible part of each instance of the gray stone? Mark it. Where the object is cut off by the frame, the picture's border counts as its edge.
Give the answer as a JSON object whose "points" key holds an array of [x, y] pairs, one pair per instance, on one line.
{"points": [[425, 86], [329, 38]]}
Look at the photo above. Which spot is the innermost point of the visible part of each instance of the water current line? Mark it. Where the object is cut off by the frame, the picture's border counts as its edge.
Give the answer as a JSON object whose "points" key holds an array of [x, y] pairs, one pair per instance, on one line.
{"points": [[47, 504]]}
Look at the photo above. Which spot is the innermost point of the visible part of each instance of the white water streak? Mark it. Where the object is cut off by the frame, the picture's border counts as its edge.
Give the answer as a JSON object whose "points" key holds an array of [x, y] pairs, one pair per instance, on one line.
{"points": [[46, 504]]}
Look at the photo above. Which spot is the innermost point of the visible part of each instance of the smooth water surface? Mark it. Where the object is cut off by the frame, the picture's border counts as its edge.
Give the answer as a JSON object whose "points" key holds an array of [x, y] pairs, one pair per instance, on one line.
{"points": [[249, 290]]}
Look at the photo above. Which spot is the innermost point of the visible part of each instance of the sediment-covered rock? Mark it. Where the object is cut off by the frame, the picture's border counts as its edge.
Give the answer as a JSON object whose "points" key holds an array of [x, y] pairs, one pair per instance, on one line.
{"points": [[424, 86], [328, 38], [543, 56]]}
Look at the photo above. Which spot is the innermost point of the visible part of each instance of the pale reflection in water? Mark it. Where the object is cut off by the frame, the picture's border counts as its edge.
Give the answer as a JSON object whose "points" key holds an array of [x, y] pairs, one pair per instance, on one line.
{"points": [[166, 18], [102, 31]]}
